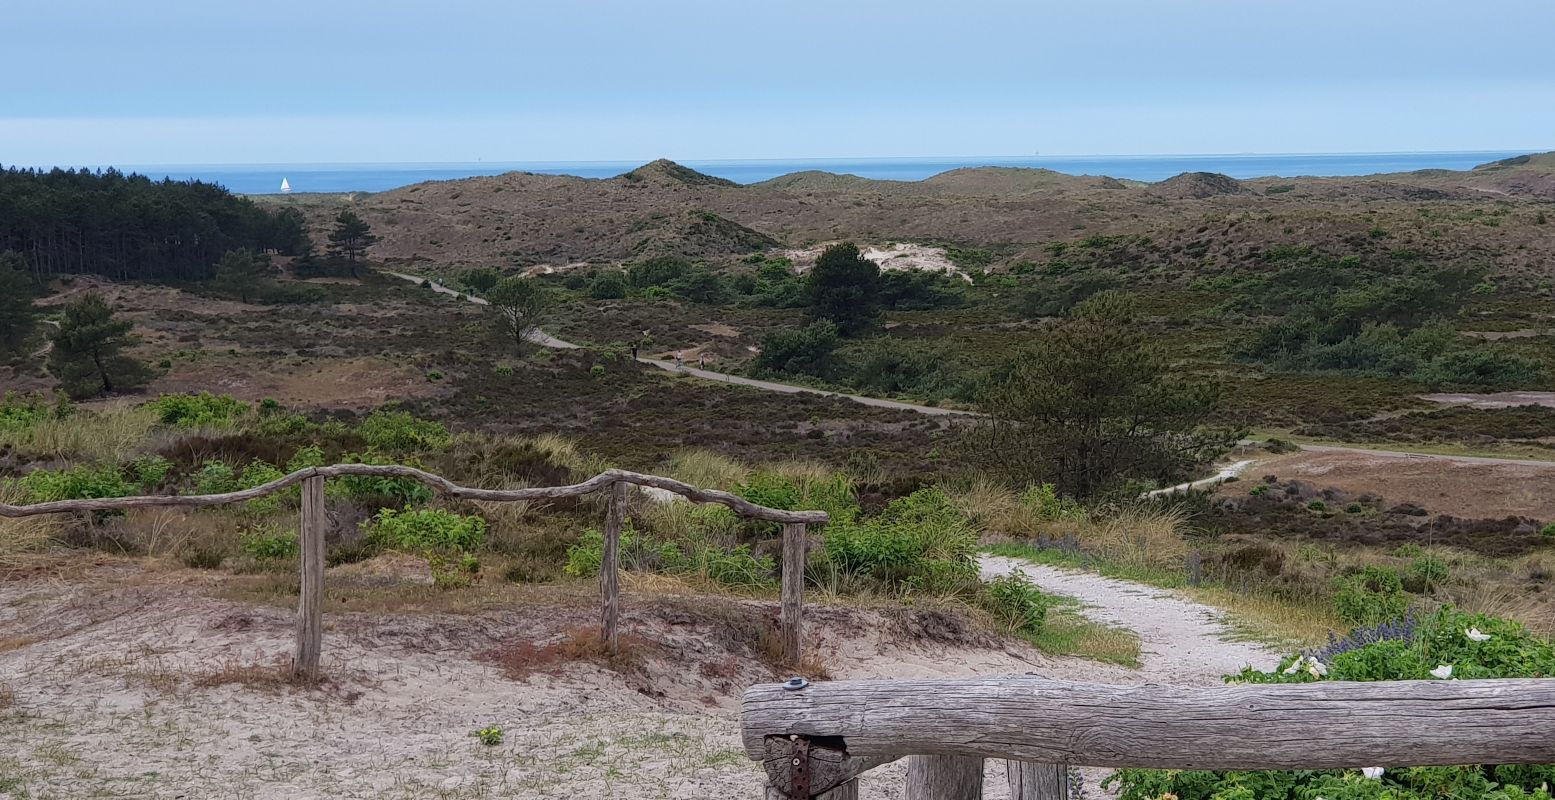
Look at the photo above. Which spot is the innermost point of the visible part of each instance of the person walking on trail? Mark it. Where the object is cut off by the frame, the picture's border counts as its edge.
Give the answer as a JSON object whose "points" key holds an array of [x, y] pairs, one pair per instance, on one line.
{"points": [[680, 359], [702, 360], [634, 351]]}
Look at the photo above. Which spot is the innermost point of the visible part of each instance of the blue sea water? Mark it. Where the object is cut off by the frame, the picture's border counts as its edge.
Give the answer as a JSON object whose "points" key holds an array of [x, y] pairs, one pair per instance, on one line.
{"points": [[266, 178]]}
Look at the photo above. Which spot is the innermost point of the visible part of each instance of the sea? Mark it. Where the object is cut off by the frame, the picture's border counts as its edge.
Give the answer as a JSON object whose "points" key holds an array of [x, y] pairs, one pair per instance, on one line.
{"points": [[266, 178]]}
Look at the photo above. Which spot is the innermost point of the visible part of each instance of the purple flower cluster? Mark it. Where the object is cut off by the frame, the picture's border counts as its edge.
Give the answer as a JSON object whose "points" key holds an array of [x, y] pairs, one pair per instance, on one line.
{"points": [[1403, 629]]}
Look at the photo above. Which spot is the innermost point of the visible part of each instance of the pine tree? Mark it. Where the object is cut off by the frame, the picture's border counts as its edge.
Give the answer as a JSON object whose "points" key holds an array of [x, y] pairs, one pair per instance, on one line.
{"points": [[18, 316], [350, 239], [518, 303], [844, 287], [241, 273], [87, 357]]}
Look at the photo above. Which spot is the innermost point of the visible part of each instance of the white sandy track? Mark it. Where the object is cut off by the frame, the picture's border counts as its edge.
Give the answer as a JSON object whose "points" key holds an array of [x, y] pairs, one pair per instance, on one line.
{"points": [[1180, 641]]}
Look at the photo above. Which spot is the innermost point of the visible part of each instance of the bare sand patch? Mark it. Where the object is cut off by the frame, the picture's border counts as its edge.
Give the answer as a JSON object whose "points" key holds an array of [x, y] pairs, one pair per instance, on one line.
{"points": [[1494, 400], [1439, 485], [342, 383], [892, 256]]}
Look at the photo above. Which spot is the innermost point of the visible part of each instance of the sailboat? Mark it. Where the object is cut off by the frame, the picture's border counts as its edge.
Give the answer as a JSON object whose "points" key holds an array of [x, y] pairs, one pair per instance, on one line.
{"points": [[286, 188]]}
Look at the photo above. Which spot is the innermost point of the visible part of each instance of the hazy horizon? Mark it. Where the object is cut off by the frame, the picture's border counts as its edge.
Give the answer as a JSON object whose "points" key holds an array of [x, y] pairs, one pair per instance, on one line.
{"points": [[166, 82]]}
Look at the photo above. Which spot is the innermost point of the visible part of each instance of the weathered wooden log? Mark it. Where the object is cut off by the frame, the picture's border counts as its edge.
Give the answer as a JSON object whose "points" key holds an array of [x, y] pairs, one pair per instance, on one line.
{"points": [[310, 599], [439, 484], [792, 616], [1032, 781], [1325, 725], [609, 568], [944, 778], [833, 773]]}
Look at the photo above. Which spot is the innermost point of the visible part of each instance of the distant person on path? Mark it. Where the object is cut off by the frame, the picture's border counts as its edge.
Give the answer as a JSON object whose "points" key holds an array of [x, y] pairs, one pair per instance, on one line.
{"points": [[702, 360], [634, 351], [680, 359]]}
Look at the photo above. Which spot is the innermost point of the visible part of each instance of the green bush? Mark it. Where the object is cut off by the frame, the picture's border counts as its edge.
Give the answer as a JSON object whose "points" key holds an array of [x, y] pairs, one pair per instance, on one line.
{"points": [[806, 351], [1548, 532], [215, 477], [428, 529], [270, 543], [1425, 574], [400, 432], [19, 412], [736, 568], [920, 542], [1474, 645], [1016, 602], [385, 492], [608, 285], [1044, 500], [1371, 596], [75, 483], [197, 410], [149, 471]]}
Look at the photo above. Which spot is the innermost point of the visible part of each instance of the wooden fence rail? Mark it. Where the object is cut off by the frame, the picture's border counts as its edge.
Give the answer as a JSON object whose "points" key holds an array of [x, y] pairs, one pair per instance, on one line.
{"points": [[312, 526], [815, 741]]}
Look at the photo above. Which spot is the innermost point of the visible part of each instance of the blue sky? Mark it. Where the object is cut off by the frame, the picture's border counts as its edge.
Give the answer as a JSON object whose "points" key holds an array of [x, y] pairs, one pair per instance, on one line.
{"points": [[222, 81]]}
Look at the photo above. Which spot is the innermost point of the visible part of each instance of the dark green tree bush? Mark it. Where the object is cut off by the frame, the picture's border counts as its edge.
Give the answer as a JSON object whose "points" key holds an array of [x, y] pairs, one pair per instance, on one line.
{"points": [[88, 357], [18, 316], [844, 289], [517, 306], [1094, 403], [806, 351]]}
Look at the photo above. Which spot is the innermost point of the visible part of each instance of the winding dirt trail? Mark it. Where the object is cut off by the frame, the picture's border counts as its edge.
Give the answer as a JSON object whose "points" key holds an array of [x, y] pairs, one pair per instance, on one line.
{"points": [[1180, 641]]}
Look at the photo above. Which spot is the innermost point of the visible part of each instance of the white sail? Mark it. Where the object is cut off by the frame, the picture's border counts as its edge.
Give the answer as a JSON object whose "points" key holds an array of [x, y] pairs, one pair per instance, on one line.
{"points": [[285, 187]]}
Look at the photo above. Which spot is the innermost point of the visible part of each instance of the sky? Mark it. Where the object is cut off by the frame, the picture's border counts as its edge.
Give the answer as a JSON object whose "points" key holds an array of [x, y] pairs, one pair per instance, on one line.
{"points": [[95, 82]]}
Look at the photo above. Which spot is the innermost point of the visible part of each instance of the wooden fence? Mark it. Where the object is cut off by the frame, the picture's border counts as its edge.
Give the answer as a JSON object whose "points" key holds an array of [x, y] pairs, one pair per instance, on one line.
{"points": [[814, 741], [310, 603]]}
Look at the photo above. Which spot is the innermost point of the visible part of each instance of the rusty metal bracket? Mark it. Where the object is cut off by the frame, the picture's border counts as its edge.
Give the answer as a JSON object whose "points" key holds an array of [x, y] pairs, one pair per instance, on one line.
{"points": [[801, 769]]}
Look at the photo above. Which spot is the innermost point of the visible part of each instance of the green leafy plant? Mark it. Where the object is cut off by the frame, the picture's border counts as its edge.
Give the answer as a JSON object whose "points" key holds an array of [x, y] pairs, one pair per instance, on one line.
{"points": [[269, 543], [1373, 595], [920, 542], [400, 432], [428, 529], [197, 410], [82, 482], [491, 735], [1016, 602]]}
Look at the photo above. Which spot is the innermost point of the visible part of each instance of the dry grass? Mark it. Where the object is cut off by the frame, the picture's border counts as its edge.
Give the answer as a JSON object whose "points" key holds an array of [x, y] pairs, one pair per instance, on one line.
{"points": [[22, 535], [566, 453], [1138, 536], [7, 697], [1068, 632], [707, 469], [1263, 617], [106, 435], [1509, 603]]}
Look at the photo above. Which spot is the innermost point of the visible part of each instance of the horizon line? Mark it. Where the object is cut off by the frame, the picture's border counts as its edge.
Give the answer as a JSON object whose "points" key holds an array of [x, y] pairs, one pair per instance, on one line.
{"points": [[780, 160]]}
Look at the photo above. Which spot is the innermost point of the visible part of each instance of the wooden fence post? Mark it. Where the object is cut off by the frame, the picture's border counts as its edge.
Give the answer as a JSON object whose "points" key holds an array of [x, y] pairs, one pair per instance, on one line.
{"points": [[847, 791], [310, 602], [793, 592], [609, 568], [944, 778], [1030, 780]]}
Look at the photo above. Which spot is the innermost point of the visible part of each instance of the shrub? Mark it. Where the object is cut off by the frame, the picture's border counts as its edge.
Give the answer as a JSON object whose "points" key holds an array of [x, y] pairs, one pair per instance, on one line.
{"points": [[19, 412], [489, 736], [1548, 532], [379, 491], [399, 431], [215, 477], [1425, 574], [1503, 650], [1373, 595], [149, 471], [736, 568], [1016, 602], [197, 410], [429, 529], [806, 351], [75, 483], [270, 543], [608, 285], [920, 542]]}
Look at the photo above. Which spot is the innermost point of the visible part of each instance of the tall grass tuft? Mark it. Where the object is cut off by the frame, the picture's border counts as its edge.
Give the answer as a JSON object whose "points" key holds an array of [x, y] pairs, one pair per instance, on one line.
{"points": [[23, 535], [1139, 536], [707, 469], [109, 435]]}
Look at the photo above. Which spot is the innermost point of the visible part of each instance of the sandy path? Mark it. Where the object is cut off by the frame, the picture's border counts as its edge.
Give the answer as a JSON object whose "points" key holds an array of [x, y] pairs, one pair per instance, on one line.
{"points": [[1180, 641]]}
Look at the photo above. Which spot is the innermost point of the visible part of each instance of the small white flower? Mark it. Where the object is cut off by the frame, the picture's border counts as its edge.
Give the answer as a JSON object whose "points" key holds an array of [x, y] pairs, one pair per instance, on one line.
{"points": [[1294, 665], [1373, 773], [1474, 634], [1443, 671], [1316, 668]]}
